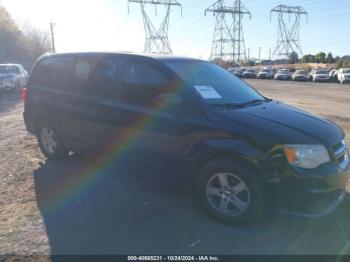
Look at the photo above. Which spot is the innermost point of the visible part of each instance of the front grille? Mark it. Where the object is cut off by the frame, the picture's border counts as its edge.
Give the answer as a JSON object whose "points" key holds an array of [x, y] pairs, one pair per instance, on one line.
{"points": [[341, 154]]}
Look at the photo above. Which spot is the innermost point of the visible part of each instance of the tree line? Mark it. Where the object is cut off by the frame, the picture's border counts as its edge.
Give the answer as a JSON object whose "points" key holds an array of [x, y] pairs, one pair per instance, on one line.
{"points": [[324, 58], [20, 45]]}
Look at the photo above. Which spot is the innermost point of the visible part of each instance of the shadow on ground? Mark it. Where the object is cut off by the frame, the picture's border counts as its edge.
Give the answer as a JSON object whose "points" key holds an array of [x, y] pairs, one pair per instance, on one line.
{"points": [[119, 210]]}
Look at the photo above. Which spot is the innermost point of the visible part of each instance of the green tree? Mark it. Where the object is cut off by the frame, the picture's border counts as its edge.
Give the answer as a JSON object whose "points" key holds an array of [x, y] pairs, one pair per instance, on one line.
{"points": [[321, 57], [306, 58], [293, 58], [339, 64], [330, 59], [309, 58]]}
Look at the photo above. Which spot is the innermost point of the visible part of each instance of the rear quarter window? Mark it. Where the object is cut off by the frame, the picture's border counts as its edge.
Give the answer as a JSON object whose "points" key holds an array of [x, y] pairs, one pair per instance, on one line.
{"points": [[52, 73]]}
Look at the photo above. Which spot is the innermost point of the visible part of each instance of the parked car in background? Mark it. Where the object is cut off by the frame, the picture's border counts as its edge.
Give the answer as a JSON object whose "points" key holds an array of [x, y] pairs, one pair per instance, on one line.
{"points": [[238, 151], [319, 75], [344, 75], [12, 76], [266, 73], [282, 74], [300, 75], [333, 75], [249, 73], [236, 71]]}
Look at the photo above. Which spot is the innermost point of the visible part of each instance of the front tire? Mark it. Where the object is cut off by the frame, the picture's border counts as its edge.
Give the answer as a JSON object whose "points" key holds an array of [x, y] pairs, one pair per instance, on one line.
{"points": [[230, 192], [50, 142]]}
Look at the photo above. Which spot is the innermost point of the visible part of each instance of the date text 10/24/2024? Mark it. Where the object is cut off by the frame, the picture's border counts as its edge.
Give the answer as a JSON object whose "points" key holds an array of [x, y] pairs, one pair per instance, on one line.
{"points": [[173, 258]]}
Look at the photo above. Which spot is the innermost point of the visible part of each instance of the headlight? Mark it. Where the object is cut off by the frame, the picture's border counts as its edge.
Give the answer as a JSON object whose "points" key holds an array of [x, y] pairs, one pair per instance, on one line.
{"points": [[306, 156]]}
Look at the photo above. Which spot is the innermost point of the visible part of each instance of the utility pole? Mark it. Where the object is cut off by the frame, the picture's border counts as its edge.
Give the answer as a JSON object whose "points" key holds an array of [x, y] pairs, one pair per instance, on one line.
{"points": [[157, 40], [259, 52], [288, 30], [52, 25], [248, 56], [228, 41]]}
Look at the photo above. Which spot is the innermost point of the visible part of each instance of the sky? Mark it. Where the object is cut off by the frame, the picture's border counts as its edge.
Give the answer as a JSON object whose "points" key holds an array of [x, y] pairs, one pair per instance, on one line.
{"points": [[109, 25]]}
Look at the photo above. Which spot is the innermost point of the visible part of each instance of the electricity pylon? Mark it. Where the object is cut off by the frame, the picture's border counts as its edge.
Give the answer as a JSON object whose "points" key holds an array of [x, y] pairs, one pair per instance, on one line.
{"points": [[157, 40], [288, 41], [228, 42]]}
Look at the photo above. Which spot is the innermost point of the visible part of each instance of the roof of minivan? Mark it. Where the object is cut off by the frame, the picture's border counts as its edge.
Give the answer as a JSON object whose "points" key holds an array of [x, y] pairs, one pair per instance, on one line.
{"points": [[9, 64], [154, 56]]}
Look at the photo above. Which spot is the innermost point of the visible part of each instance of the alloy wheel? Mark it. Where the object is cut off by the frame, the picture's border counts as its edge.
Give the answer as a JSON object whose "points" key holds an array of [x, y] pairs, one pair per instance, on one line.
{"points": [[48, 140], [228, 194]]}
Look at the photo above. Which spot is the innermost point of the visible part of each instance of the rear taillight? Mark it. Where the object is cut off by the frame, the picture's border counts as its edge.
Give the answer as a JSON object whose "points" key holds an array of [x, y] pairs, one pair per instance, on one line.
{"points": [[24, 95]]}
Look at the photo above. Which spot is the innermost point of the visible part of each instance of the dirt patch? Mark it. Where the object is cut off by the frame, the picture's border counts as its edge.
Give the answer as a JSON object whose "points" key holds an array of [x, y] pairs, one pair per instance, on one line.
{"points": [[21, 227]]}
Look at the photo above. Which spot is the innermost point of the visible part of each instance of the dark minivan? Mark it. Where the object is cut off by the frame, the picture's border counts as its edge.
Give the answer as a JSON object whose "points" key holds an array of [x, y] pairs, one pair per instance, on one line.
{"points": [[191, 122]]}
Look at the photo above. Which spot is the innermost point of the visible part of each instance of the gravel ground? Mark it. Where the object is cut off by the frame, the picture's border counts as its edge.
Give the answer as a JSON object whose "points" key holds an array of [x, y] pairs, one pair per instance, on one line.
{"points": [[123, 214], [22, 230]]}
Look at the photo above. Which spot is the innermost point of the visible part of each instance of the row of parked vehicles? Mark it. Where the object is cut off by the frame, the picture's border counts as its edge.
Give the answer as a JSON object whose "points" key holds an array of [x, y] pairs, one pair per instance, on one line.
{"points": [[12, 77], [316, 75]]}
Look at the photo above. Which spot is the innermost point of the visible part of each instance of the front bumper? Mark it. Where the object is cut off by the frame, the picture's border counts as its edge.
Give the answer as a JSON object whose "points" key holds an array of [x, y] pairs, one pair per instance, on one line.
{"points": [[281, 77], [322, 79], [264, 76], [311, 195], [300, 78], [249, 76]]}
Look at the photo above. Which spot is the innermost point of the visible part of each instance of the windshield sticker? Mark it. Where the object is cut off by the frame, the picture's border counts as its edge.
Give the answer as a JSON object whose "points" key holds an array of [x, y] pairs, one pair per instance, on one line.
{"points": [[208, 92]]}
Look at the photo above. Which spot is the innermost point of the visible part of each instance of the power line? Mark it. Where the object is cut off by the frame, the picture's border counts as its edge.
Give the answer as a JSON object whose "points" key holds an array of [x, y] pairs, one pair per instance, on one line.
{"points": [[228, 41], [52, 26], [157, 40], [288, 33]]}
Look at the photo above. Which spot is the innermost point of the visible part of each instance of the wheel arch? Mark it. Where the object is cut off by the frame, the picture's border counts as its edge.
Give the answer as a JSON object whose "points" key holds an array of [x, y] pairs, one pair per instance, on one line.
{"points": [[237, 151]]}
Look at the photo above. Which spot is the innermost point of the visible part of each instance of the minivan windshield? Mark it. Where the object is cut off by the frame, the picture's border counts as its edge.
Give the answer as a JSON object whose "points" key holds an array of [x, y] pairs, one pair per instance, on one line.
{"points": [[215, 85], [6, 69]]}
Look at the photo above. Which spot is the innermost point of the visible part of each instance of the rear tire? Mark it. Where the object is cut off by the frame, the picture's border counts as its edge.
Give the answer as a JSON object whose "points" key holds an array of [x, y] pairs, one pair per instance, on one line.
{"points": [[50, 142], [230, 192]]}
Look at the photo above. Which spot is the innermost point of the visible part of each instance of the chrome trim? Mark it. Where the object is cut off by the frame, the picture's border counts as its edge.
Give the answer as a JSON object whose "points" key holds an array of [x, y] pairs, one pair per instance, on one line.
{"points": [[343, 165], [340, 151]]}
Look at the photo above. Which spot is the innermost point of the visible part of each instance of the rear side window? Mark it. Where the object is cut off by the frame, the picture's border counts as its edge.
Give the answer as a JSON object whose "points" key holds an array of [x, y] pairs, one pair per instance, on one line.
{"points": [[142, 84], [53, 73], [97, 75]]}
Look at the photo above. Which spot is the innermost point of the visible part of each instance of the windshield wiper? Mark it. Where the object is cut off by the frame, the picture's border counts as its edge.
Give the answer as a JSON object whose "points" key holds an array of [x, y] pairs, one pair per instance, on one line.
{"points": [[251, 102], [240, 105]]}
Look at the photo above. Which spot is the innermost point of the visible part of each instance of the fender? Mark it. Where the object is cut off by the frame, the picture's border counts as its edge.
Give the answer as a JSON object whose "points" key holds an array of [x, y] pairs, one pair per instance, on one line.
{"points": [[207, 150]]}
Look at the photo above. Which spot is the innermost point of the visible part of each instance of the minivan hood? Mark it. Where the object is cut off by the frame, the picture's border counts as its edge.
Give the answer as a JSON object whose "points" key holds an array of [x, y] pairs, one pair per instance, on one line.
{"points": [[289, 124]]}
